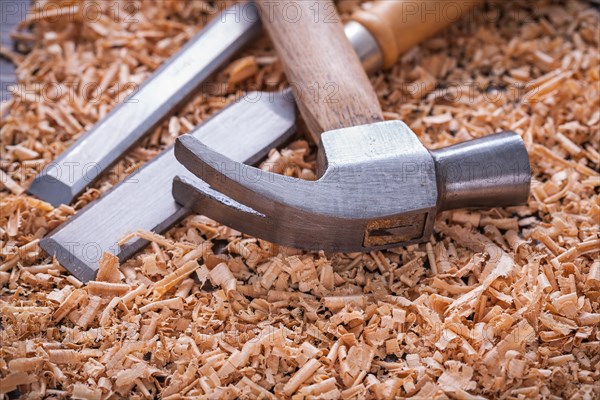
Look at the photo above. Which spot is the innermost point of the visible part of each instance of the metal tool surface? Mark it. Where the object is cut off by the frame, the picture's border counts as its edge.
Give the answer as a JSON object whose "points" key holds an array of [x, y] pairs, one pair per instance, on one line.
{"points": [[378, 186], [245, 131], [166, 89]]}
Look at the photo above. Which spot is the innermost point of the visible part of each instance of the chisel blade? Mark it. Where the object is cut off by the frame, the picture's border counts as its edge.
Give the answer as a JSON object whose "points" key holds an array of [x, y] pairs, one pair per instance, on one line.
{"points": [[158, 97], [245, 131]]}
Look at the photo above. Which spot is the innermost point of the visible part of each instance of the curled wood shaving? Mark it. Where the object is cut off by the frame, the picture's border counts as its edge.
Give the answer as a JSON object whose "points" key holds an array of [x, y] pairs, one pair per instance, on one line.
{"points": [[222, 276], [82, 391], [108, 269], [301, 376], [241, 69], [10, 184], [14, 379], [68, 304], [174, 278], [106, 289]]}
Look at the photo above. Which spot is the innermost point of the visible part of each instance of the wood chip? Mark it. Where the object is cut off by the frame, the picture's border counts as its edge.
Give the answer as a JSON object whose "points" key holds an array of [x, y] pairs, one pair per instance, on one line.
{"points": [[301, 376], [222, 276], [106, 289], [108, 269], [174, 278], [241, 69], [8, 183]]}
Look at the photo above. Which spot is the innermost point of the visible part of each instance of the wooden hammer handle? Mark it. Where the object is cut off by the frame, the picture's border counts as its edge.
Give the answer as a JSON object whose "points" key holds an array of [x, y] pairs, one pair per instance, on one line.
{"points": [[398, 25], [330, 86]]}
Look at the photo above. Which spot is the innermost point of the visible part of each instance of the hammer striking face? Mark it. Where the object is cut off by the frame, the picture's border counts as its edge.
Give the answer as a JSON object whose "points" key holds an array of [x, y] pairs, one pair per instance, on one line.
{"points": [[379, 187]]}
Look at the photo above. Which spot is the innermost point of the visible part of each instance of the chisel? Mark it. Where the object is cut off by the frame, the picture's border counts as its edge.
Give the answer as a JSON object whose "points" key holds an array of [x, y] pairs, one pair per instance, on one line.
{"points": [[159, 96]]}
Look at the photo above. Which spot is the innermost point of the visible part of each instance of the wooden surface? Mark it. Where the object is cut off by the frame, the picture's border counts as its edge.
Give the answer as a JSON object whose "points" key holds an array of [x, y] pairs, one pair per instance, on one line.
{"points": [[329, 83], [502, 304], [399, 25]]}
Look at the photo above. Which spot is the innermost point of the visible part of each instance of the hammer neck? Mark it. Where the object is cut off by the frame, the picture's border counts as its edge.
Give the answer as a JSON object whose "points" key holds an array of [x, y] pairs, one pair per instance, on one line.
{"points": [[492, 171]]}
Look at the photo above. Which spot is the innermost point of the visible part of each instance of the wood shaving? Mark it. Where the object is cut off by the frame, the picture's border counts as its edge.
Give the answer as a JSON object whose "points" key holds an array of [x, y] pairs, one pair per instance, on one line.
{"points": [[242, 69], [501, 303], [108, 269]]}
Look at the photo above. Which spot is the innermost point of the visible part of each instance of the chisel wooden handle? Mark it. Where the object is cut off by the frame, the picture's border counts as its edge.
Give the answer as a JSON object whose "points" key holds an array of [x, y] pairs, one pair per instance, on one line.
{"points": [[398, 25], [331, 87]]}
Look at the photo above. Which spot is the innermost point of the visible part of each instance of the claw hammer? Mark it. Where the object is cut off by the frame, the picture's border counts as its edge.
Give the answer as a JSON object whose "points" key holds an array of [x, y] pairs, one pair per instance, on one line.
{"points": [[378, 186]]}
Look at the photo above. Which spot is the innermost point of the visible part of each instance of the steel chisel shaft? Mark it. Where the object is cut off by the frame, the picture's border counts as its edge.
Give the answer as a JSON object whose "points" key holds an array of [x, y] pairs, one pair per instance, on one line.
{"points": [[159, 96]]}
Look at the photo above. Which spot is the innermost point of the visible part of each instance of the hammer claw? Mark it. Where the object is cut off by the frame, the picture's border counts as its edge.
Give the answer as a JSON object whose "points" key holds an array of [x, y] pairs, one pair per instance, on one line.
{"points": [[201, 198], [263, 192]]}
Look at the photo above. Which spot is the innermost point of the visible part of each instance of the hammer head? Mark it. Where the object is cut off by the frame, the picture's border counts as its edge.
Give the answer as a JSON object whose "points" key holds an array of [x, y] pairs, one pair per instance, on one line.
{"points": [[379, 187]]}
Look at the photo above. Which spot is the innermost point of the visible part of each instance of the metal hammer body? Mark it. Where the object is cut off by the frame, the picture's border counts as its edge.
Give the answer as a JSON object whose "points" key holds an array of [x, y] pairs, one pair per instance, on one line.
{"points": [[380, 187]]}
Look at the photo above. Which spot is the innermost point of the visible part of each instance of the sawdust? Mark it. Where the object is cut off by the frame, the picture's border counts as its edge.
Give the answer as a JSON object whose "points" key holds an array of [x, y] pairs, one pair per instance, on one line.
{"points": [[501, 303]]}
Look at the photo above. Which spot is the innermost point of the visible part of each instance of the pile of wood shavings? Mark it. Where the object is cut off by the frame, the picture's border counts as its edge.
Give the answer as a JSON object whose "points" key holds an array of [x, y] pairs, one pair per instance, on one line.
{"points": [[501, 303]]}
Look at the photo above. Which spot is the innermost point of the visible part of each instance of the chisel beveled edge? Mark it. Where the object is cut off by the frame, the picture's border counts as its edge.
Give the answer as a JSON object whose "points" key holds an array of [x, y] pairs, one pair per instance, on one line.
{"points": [[245, 130], [158, 97]]}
